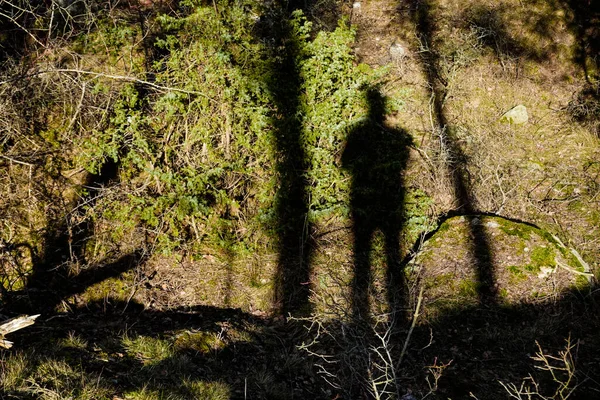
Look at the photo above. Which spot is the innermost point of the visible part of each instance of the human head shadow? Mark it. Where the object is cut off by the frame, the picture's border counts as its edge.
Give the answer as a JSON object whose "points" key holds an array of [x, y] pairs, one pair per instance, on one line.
{"points": [[376, 156]]}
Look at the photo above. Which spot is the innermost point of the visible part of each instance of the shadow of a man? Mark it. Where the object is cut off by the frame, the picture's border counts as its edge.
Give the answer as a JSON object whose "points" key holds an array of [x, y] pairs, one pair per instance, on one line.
{"points": [[376, 156]]}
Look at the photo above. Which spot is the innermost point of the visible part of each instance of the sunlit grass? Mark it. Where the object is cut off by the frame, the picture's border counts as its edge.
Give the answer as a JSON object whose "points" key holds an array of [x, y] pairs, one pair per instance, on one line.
{"points": [[190, 390], [149, 351], [13, 371]]}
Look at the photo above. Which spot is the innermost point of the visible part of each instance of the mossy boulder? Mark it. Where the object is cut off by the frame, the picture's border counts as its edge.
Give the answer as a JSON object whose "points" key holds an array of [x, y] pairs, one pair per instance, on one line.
{"points": [[527, 264]]}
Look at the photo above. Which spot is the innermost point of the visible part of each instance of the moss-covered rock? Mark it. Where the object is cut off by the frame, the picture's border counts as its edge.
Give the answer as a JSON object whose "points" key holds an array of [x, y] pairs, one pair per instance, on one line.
{"points": [[526, 263]]}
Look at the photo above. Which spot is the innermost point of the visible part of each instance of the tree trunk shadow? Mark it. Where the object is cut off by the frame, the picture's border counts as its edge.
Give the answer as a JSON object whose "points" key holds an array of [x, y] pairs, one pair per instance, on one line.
{"points": [[422, 14]]}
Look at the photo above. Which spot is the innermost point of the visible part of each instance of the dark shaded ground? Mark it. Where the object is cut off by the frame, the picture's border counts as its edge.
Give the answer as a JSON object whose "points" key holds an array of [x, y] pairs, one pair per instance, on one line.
{"points": [[488, 345], [481, 345]]}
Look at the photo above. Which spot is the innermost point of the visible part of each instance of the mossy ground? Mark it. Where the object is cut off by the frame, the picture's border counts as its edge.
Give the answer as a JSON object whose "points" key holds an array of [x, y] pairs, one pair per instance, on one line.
{"points": [[202, 321], [526, 263]]}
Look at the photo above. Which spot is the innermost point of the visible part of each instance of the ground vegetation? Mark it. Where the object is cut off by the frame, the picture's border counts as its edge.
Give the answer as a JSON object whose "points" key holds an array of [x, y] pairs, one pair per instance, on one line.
{"points": [[233, 199]]}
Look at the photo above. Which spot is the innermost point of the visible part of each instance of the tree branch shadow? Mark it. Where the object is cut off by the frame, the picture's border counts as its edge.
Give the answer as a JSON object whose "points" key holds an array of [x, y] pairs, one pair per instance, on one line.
{"points": [[422, 16]]}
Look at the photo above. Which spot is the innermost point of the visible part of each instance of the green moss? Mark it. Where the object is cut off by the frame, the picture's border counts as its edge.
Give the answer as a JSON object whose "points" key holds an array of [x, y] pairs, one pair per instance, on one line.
{"points": [[513, 229], [444, 227], [423, 258], [542, 256], [52, 137], [114, 288], [532, 268], [453, 230], [515, 270], [581, 282], [439, 280]]}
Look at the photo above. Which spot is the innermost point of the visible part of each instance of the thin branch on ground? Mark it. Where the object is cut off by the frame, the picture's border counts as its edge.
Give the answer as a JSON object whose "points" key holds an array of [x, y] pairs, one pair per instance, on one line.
{"points": [[126, 78]]}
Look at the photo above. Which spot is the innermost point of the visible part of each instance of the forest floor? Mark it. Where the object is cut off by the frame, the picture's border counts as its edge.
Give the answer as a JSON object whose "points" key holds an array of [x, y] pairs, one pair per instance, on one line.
{"points": [[497, 294]]}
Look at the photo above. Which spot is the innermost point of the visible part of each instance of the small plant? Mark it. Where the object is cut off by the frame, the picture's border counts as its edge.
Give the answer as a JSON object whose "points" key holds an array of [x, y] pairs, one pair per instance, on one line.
{"points": [[74, 341], [561, 371], [148, 350], [14, 369], [585, 107]]}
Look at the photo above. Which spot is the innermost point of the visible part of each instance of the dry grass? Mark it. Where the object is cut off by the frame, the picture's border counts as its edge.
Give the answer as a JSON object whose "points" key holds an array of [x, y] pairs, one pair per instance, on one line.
{"points": [[491, 56]]}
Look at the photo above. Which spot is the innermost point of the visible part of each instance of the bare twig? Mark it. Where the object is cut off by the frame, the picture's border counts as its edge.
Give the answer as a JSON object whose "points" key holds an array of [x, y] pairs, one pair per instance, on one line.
{"points": [[126, 78], [14, 21], [17, 161], [78, 109], [414, 323]]}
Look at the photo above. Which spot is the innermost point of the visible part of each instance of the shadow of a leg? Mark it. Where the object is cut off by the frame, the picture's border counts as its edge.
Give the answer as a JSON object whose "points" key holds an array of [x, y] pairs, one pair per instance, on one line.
{"points": [[397, 291], [361, 308]]}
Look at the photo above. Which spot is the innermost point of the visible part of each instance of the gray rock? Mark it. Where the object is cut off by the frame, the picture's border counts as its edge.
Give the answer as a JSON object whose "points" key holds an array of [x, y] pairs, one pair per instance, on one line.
{"points": [[397, 51], [516, 115]]}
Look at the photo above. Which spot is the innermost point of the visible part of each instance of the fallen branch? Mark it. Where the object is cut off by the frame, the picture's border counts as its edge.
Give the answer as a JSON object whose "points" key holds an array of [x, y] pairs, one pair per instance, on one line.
{"points": [[588, 275], [126, 78], [13, 325], [414, 323]]}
